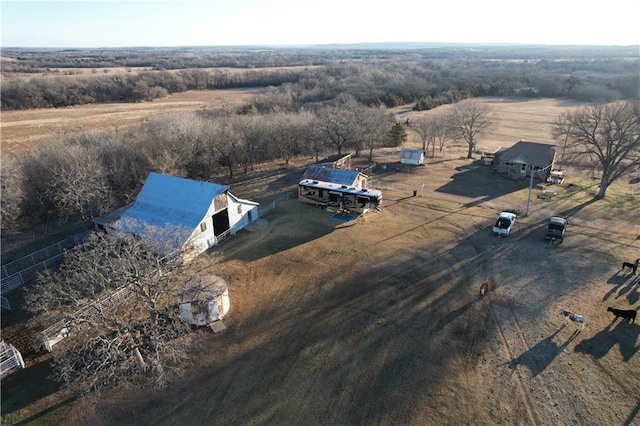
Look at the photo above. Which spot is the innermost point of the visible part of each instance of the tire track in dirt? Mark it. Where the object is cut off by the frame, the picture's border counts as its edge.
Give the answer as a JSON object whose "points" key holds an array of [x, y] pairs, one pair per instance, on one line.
{"points": [[614, 379], [524, 395]]}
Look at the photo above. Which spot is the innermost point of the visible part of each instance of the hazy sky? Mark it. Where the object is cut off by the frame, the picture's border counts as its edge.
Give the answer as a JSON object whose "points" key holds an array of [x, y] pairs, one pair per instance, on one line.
{"points": [[267, 22]]}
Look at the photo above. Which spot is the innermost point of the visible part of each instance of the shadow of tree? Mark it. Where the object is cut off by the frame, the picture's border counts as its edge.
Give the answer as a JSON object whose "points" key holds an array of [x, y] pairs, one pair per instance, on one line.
{"points": [[632, 415], [573, 210], [618, 280], [451, 316], [624, 334], [538, 358], [626, 289], [634, 294], [26, 386]]}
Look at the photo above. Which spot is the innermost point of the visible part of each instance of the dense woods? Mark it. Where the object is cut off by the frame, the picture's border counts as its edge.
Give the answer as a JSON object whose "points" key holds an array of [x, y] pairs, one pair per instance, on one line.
{"points": [[317, 101], [429, 77]]}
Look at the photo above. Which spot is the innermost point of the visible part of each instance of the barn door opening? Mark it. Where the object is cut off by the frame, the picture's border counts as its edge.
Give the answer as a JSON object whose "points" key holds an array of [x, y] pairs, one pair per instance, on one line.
{"points": [[220, 222]]}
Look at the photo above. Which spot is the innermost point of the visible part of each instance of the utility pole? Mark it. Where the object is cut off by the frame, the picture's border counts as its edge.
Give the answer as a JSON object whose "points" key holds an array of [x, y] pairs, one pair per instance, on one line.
{"points": [[531, 185]]}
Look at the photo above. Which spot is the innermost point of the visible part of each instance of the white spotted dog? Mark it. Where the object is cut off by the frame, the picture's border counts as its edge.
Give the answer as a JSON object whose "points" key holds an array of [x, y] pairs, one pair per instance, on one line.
{"points": [[570, 316]]}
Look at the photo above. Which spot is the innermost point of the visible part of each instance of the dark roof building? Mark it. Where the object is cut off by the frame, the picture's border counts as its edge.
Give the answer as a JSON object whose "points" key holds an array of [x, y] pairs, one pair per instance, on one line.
{"points": [[521, 158], [337, 176]]}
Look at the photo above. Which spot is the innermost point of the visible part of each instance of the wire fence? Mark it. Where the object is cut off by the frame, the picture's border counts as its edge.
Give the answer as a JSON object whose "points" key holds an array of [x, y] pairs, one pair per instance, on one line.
{"points": [[25, 269], [272, 205]]}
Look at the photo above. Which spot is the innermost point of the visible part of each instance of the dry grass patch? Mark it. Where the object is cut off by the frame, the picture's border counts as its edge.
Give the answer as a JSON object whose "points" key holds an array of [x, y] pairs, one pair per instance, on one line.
{"points": [[23, 130], [516, 119]]}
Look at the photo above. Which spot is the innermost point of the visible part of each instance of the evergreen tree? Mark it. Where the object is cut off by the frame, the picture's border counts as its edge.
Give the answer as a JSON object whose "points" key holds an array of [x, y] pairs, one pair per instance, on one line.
{"points": [[397, 135]]}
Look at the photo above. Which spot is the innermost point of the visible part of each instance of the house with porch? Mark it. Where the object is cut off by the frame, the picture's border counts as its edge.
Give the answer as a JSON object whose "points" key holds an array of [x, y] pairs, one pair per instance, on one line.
{"points": [[525, 158]]}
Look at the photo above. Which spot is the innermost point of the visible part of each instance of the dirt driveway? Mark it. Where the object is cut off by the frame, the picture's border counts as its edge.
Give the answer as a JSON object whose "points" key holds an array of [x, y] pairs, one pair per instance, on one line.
{"points": [[379, 321]]}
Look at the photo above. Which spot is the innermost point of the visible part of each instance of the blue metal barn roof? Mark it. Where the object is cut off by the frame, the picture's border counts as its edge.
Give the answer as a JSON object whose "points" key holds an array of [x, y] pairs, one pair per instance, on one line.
{"points": [[168, 200]]}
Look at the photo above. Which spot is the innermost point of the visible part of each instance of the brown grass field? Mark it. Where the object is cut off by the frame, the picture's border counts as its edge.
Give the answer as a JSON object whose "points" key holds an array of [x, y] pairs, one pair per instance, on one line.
{"points": [[379, 321], [20, 130]]}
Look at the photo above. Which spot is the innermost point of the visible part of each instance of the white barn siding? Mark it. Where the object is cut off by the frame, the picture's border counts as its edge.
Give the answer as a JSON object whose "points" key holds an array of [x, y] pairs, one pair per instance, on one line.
{"points": [[240, 214], [243, 213]]}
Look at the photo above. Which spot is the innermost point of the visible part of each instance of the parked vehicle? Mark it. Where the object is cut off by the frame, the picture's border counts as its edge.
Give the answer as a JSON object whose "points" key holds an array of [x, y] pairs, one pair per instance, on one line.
{"points": [[556, 228], [504, 223]]}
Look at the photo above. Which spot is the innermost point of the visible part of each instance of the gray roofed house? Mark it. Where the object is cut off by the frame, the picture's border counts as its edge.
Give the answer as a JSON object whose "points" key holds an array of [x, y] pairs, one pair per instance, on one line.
{"points": [[519, 159], [338, 176]]}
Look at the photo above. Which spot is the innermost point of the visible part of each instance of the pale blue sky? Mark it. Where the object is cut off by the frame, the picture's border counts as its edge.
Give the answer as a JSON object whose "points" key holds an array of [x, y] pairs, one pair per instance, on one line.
{"points": [[284, 22]]}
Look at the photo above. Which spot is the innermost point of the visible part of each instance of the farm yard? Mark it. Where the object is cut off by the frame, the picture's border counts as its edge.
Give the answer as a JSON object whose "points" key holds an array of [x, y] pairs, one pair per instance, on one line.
{"points": [[379, 320]]}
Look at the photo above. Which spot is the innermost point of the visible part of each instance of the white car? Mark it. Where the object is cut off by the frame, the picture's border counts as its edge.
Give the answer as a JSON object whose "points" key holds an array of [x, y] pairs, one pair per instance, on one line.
{"points": [[504, 223]]}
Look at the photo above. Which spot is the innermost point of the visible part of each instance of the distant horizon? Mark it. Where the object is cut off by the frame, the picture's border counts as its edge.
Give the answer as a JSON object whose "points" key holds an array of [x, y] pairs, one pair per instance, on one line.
{"points": [[99, 24], [365, 44]]}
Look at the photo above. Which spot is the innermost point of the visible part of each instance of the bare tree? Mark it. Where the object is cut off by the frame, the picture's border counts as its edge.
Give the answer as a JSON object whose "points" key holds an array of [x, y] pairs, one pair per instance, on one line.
{"points": [[11, 191], [337, 125], [80, 187], [316, 143], [287, 131], [468, 120], [224, 140], [175, 145], [115, 297], [423, 127], [373, 126], [606, 136], [251, 137], [64, 181], [431, 130], [125, 167], [442, 134]]}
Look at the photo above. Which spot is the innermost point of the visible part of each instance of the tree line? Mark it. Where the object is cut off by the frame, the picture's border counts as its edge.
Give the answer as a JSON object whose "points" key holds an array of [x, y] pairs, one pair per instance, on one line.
{"points": [[29, 60], [392, 81]]}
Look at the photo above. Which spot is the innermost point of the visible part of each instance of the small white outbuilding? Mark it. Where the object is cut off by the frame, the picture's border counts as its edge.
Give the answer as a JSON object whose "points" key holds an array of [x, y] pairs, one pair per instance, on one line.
{"points": [[204, 299], [411, 156]]}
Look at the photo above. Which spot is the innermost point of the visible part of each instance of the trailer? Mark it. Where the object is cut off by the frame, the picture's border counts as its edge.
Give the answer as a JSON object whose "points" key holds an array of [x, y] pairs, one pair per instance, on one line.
{"points": [[339, 197]]}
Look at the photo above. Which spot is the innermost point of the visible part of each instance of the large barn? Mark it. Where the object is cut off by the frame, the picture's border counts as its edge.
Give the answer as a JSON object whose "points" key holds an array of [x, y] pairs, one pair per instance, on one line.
{"points": [[189, 215]]}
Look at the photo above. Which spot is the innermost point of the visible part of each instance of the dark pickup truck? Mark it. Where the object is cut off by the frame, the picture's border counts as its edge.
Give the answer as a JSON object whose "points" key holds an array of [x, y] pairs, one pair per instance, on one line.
{"points": [[555, 229]]}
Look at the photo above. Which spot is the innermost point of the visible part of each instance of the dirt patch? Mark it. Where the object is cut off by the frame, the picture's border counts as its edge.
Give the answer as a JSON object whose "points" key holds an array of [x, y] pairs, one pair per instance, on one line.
{"points": [[379, 320]]}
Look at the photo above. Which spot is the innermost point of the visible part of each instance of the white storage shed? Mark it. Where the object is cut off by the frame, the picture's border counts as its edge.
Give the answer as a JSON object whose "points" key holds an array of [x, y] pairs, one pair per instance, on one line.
{"points": [[412, 156]]}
